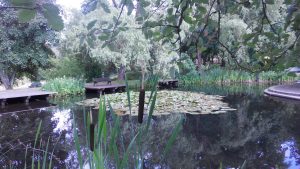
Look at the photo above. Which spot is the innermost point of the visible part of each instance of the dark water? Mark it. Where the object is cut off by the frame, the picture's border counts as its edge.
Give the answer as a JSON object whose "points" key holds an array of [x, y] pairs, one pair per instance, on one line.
{"points": [[264, 132]]}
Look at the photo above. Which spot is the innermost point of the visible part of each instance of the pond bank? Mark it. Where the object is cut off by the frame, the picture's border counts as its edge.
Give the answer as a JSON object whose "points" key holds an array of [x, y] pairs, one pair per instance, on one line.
{"points": [[291, 91]]}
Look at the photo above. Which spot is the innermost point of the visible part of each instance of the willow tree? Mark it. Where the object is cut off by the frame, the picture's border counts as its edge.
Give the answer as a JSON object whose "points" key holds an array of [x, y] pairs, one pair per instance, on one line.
{"points": [[125, 49]]}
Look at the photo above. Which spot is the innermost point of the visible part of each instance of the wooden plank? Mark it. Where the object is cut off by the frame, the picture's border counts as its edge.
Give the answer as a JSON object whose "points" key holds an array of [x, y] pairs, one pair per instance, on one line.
{"points": [[19, 93]]}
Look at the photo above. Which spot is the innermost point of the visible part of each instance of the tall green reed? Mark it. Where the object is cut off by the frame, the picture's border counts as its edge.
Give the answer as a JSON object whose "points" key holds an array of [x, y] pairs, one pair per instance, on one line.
{"points": [[107, 141]]}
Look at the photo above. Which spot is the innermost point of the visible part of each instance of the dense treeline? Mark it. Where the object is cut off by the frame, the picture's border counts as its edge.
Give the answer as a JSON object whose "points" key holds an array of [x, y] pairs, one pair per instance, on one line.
{"points": [[170, 38]]}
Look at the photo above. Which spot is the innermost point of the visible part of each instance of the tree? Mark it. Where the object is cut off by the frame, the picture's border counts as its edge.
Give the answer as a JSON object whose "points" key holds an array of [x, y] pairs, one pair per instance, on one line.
{"points": [[271, 24], [28, 10], [125, 49], [24, 46]]}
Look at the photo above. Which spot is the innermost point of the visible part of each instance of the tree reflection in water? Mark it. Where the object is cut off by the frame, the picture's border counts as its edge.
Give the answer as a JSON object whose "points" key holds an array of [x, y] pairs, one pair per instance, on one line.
{"points": [[263, 131]]}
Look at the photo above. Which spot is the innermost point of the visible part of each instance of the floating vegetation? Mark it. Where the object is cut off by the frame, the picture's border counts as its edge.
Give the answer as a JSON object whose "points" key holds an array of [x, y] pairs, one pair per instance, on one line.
{"points": [[167, 102]]}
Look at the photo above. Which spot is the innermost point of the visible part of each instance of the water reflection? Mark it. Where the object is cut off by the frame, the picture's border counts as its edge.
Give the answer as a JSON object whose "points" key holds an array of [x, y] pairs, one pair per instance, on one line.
{"points": [[263, 131]]}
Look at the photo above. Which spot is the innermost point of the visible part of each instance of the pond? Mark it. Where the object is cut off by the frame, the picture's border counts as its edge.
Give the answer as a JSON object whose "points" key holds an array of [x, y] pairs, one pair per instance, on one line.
{"points": [[263, 132]]}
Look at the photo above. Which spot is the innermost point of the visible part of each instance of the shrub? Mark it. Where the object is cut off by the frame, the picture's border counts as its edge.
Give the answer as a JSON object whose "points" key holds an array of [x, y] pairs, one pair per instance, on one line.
{"points": [[65, 86], [63, 67], [219, 76]]}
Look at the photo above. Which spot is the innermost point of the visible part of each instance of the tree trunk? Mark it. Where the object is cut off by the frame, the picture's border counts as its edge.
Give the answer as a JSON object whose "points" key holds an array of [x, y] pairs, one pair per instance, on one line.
{"points": [[198, 60], [7, 80], [121, 74]]}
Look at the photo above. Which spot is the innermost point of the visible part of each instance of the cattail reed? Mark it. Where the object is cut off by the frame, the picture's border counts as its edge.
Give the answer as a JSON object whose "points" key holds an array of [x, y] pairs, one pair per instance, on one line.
{"points": [[141, 100], [92, 132]]}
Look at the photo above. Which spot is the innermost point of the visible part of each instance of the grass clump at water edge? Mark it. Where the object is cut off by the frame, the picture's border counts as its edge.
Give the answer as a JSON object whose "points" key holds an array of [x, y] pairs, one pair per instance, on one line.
{"points": [[65, 86]]}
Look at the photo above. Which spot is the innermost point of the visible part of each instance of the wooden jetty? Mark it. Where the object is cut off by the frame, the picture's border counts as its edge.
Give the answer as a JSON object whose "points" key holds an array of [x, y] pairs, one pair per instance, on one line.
{"points": [[104, 88], [23, 95], [113, 88]]}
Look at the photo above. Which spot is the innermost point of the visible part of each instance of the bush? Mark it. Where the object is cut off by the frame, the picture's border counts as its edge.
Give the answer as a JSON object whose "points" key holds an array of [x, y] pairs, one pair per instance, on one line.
{"points": [[63, 67], [65, 86]]}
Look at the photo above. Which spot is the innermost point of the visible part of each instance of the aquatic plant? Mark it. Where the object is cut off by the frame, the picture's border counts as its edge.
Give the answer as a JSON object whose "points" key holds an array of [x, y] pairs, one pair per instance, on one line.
{"points": [[65, 86], [104, 151], [102, 146], [221, 75]]}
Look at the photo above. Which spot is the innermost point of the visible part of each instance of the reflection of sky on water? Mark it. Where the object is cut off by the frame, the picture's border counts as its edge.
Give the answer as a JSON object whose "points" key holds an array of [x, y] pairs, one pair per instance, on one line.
{"points": [[290, 155], [63, 121]]}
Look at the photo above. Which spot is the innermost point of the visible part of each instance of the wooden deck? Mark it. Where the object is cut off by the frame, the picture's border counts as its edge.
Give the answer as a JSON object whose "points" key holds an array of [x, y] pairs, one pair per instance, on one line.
{"points": [[285, 91], [24, 95], [104, 88]]}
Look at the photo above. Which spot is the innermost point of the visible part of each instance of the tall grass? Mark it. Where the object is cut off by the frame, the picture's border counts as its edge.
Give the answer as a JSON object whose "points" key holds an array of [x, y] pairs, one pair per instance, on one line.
{"points": [[103, 141], [102, 146], [221, 76], [65, 86]]}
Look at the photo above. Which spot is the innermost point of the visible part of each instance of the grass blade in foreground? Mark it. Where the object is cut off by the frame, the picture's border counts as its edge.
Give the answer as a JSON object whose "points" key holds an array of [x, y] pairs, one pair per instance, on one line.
{"points": [[35, 140], [172, 139], [77, 143]]}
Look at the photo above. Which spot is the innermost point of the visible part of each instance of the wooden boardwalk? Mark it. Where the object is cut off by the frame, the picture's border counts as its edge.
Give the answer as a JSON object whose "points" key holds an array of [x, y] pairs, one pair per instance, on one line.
{"points": [[291, 91], [112, 88], [104, 88], [24, 95]]}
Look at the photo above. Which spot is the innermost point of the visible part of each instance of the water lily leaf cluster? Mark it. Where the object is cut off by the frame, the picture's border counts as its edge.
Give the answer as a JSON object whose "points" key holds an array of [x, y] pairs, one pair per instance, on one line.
{"points": [[167, 102]]}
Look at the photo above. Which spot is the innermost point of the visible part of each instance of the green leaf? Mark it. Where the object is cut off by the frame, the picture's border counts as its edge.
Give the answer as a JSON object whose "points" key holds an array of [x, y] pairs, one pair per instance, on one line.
{"points": [[24, 3], [248, 37], [104, 37], [202, 9], [188, 19], [145, 3], [170, 11], [172, 139], [91, 24], [270, 35], [51, 13], [130, 6], [25, 15], [269, 1], [105, 7]]}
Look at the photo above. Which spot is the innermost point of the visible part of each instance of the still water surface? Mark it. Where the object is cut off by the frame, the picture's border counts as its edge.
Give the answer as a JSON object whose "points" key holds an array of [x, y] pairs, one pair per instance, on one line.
{"points": [[264, 132]]}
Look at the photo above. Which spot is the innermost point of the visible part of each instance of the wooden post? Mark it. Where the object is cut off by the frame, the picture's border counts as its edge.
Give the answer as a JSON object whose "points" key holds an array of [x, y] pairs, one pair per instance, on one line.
{"points": [[3, 102], [27, 100], [100, 92]]}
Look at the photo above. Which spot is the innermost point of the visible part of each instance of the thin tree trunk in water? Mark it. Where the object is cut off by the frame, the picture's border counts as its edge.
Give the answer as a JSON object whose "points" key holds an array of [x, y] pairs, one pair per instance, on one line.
{"points": [[257, 77], [121, 74], [6, 80]]}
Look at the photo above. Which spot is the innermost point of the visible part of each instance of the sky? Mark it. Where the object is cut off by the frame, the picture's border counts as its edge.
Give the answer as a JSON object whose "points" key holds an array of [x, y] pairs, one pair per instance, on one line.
{"points": [[69, 4]]}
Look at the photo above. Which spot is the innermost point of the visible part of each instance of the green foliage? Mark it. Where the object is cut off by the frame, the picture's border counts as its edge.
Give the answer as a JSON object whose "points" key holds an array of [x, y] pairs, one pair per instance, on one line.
{"points": [[24, 47], [221, 76], [106, 152], [65, 86], [64, 67], [52, 14], [186, 66], [124, 48], [28, 10]]}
